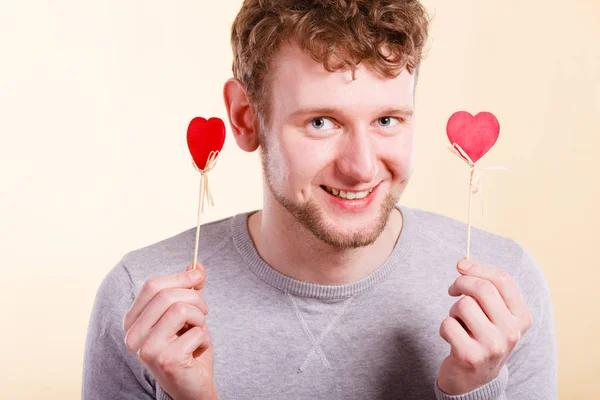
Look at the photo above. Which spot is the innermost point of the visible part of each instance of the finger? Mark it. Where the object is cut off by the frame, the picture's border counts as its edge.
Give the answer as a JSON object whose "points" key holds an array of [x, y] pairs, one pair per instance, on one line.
{"points": [[193, 343], [155, 310], [468, 311], [165, 331], [502, 280], [201, 267], [203, 307], [155, 285], [487, 296], [453, 333], [181, 353]]}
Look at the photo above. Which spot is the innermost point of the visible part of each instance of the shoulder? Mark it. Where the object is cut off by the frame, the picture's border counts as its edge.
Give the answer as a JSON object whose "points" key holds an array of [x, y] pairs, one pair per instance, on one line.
{"points": [[436, 234], [437, 231], [452, 235], [173, 254], [121, 284]]}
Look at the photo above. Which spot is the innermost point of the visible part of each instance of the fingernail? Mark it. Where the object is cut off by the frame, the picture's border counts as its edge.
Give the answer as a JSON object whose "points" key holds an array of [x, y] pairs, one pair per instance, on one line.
{"points": [[195, 274], [464, 264]]}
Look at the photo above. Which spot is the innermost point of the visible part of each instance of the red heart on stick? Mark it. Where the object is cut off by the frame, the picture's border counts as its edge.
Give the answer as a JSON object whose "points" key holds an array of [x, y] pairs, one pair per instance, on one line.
{"points": [[474, 134], [203, 137]]}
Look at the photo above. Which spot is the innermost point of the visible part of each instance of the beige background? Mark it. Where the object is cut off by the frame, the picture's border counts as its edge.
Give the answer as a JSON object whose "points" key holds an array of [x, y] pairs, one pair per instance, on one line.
{"points": [[95, 98]]}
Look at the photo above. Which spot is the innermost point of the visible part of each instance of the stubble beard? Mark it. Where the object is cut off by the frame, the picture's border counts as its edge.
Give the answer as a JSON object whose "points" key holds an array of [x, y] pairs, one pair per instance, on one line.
{"points": [[310, 216]]}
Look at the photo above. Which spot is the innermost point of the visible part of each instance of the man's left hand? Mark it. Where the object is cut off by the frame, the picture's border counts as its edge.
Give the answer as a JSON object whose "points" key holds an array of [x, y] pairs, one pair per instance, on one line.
{"points": [[483, 327]]}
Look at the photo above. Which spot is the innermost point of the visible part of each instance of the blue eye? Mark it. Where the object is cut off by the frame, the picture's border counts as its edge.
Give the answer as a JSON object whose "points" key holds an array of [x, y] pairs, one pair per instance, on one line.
{"points": [[387, 121], [322, 123]]}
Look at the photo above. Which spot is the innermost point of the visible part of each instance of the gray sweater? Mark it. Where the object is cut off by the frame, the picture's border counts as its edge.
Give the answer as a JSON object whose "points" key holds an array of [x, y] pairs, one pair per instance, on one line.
{"points": [[276, 337]]}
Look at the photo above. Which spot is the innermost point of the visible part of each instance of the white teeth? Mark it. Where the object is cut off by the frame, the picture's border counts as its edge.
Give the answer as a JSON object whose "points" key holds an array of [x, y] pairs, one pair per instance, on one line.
{"points": [[348, 195]]}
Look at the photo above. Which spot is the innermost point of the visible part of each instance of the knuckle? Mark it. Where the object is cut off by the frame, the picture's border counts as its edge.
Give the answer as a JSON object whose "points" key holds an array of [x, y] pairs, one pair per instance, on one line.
{"points": [[461, 281], [129, 342], [457, 308], [165, 362], [169, 364], [151, 286], [179, 309], [503, 277], [472, 359], [195, 317], [207, 339], [447, 321], [453, 310], [201, 317], [145, 354], [199, 332], [125, 322], [203, 308], [513, 336], [202, 333], [201, 303], [445, 326], [496, 350], [464, 304]]}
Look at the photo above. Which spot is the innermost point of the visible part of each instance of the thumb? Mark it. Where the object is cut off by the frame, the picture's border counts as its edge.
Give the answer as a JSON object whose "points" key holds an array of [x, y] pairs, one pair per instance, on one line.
{"points": [[198, 267]]}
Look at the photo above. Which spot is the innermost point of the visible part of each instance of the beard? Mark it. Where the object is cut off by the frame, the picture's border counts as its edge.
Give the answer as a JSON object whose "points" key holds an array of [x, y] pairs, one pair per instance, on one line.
{"points": [[311, 216]]}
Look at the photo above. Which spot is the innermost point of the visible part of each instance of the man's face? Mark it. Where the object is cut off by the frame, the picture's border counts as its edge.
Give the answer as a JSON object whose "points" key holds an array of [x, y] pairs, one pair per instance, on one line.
{"points": [[337, 152]]}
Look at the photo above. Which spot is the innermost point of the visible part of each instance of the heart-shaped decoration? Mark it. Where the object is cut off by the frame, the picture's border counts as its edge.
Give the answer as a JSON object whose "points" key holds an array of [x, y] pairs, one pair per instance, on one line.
{"points": [[203, 137], [474, 134]]}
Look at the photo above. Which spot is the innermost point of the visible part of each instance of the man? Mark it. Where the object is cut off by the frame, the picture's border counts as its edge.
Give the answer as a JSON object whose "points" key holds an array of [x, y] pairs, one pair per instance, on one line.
{"points": [[330, 291]]}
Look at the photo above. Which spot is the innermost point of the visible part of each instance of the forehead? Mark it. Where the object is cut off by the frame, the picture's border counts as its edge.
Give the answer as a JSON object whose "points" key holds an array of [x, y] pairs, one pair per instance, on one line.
{"points": [[298, 81]]}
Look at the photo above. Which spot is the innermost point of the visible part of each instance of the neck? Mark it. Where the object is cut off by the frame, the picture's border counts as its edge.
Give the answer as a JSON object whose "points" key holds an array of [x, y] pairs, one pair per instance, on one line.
{"points": [[291, 249]]}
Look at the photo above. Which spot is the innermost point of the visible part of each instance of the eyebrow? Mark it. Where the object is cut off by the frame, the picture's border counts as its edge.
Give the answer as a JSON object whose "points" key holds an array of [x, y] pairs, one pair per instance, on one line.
{"points": [[405, 112]]}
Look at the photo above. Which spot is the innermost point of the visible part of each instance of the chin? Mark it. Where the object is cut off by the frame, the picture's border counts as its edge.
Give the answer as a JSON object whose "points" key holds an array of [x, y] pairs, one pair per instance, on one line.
{"points": [[338, 231], [352, 237]]}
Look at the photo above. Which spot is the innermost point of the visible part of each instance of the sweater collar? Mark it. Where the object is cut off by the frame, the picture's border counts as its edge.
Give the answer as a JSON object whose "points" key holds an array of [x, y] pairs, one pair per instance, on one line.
{"points": [[246, 248]]}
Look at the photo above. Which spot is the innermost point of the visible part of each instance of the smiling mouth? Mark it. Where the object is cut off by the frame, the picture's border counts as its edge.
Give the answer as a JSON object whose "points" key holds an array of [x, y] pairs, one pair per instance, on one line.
{"points": [[347, 195]]}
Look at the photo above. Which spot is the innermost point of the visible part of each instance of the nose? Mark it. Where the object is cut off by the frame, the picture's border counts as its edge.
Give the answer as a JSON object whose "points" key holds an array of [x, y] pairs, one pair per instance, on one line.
{"points": [[357, 160]]}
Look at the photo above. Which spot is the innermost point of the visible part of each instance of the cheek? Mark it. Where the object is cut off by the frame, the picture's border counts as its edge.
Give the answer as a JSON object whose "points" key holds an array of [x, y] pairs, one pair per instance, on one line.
{"points": [[397, 155], [307, 159], [300, 162]]}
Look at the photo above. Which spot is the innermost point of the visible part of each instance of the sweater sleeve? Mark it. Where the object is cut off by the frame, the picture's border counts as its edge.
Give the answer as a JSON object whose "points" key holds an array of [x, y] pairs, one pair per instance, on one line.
{"points": [[110, 370], [534, 362], [531, 370]]}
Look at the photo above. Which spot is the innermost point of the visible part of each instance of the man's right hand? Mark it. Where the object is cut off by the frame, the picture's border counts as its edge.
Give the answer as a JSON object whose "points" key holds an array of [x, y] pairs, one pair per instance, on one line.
{"points": [[166, 329]]}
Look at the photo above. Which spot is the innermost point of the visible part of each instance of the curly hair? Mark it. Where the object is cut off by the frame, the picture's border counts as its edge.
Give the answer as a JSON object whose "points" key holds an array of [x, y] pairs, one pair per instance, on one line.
{"points": [[388, 35]]}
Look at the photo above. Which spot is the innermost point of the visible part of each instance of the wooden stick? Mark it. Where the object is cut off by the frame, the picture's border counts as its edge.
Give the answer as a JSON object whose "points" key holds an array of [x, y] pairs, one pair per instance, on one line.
{"points": [[204, 192], [200, 207], [469, 218]]}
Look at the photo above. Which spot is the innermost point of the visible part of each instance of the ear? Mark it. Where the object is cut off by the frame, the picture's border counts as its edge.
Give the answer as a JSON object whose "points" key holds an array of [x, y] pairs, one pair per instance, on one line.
{"points": [[241, 115]]}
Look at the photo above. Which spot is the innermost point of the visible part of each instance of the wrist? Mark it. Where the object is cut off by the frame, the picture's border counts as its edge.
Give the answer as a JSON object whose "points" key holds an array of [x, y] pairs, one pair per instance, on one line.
{"points": [[492, 390]]}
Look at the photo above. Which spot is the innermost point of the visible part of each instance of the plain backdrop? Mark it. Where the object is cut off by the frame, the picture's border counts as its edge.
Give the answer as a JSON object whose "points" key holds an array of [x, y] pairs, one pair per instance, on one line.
{"points": [[95, 98]]}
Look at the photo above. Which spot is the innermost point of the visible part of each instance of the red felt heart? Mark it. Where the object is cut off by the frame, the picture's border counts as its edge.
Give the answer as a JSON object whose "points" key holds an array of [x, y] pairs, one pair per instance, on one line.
{"points": [[203, 137], [474, 134]]}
